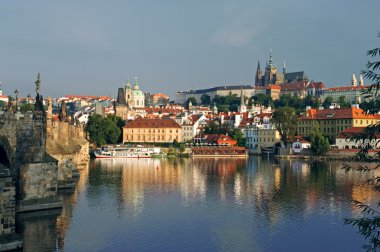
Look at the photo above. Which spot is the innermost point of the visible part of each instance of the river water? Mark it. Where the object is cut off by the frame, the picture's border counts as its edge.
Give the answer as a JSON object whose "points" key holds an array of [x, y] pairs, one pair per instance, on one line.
{"points": [[203, 204]]}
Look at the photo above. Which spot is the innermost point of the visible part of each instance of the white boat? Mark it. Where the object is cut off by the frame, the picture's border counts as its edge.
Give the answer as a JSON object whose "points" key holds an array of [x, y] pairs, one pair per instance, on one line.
{"points": [[120, 151]]}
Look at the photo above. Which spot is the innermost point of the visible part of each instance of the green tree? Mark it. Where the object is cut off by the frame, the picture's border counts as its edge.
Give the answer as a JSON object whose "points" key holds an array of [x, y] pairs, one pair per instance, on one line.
{"points": [[111, 130], [193, 102], [94, 128], [238, 136], [103, 130], [343, 103], [285, 121], [206, 99], [327, 102], [182, 148], [3, 104], [319, 144], [26, 107], [369, 223], [262, 99]]}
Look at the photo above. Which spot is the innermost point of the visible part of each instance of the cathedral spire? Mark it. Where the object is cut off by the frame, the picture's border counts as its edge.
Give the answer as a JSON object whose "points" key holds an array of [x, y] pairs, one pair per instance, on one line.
{"points": [[361, 81], [259, 75], [354, 82], [284, 68], [270, 58]]}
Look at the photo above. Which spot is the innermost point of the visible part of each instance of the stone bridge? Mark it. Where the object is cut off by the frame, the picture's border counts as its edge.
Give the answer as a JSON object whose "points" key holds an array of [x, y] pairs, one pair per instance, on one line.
{"points": [[28, 175]]}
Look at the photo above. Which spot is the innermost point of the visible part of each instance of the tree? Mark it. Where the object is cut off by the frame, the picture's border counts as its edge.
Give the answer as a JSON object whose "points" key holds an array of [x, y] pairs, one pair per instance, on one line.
{"points": [[238, 136], [262, 99], [327, 102], [369, 223], [343, 103], [285, 121], [182, 148], [26, 107], [319, 144], [94, 128], [206, 99], [193, 102], [103, 130]]}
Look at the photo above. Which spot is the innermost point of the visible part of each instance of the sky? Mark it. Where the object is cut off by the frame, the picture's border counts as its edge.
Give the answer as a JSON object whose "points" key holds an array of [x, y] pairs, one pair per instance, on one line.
{"points": [[91, 47]]}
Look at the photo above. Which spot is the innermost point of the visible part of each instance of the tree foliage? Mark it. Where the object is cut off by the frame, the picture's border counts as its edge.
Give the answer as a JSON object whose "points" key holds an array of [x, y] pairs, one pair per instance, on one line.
{"points": [[285, 121], [227, 103], [369, 223], [104, 130], [193, 102], [206, 100], [319, 144], [327, 102]]}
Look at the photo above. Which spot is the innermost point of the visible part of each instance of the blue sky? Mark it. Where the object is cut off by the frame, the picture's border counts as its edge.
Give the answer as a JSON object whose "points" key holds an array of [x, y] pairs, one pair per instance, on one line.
{"points": [[91, 47]]}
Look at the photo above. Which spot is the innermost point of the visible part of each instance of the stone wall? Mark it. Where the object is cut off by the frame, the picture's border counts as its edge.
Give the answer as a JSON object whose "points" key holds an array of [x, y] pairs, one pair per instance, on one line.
{"points": [[7, 206], [68, 144], [38, 180]]}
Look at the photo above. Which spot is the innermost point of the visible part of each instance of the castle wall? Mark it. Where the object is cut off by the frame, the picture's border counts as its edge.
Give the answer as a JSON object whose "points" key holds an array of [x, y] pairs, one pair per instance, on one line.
{"points": [[7, 205]]}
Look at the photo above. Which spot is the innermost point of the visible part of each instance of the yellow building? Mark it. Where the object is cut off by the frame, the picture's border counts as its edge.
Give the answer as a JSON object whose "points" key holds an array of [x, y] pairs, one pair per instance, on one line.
{"points": [[143, 130], [333, 121]]}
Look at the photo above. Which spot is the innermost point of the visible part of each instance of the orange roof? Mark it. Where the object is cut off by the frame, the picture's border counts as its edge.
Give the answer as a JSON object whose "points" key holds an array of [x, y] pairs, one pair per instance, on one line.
{"points": [[152, 123], [353, 131], [88, 97], [337, 113], [347, 88]]}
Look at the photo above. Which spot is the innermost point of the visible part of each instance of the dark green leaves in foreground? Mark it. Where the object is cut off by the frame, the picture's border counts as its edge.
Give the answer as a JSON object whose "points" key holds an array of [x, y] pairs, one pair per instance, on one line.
{"points": [[368, 223]]}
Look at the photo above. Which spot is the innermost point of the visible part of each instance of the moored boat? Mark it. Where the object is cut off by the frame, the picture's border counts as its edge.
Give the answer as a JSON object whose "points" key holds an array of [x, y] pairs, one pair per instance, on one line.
{"points": [[121, 151]]}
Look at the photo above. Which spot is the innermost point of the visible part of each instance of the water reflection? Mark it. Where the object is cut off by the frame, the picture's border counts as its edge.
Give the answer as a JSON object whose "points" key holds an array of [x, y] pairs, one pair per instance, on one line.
{"points": [[212, 204]]}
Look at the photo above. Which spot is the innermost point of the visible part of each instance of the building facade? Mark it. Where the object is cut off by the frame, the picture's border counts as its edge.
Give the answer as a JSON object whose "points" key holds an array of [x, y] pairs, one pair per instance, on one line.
{"points": [[143, 130], [333, 121]]}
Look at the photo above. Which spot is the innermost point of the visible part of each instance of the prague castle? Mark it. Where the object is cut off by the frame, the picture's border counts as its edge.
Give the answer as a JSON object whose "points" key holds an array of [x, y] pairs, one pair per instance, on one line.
{"points": [[272, 77]]}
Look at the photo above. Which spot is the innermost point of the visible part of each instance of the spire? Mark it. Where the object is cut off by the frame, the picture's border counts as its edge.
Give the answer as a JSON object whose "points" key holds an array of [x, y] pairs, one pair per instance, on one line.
{"points": [[242, 103], [38, 83], [128, 85], [354, 82], [259, 76], [215, 109], [284, 68], [38, 105], [361, 81], [136, 84], [270, 58]]}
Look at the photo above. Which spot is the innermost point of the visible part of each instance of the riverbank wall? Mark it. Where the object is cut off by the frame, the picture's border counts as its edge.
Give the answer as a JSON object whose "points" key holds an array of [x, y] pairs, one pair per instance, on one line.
{"points": [[68, 144]]}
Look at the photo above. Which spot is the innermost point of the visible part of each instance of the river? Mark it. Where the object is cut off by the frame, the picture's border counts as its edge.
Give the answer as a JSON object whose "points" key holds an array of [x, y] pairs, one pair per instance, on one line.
{"points": [[203, 204]]}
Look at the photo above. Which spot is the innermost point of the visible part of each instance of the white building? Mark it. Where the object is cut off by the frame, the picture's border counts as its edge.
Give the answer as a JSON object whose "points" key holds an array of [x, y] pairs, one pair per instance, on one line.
{"points": [[343, 139]]}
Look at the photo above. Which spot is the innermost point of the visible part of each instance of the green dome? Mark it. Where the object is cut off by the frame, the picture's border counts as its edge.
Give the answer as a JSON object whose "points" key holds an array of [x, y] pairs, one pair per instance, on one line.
{"points": [[137, 93]]}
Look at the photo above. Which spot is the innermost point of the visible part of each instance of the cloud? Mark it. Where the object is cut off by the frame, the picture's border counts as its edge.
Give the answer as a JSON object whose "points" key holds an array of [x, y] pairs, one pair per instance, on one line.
{"points": [[237, 30]]}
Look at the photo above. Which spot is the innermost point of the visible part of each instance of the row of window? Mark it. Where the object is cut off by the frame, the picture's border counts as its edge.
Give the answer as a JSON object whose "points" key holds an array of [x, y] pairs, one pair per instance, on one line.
{"points": [[148, 138], [150, 131]]}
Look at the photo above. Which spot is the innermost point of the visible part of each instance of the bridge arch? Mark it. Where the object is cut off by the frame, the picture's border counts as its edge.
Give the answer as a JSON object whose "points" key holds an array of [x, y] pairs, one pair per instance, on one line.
{"points": [[6, 156]]}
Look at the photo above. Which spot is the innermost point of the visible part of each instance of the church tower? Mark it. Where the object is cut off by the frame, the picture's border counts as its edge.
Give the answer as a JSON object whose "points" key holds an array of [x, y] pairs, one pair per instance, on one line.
{"points": [[128, 93], [354, 82], [270, 72], [361, 81], [259, 76], [242, 107]]}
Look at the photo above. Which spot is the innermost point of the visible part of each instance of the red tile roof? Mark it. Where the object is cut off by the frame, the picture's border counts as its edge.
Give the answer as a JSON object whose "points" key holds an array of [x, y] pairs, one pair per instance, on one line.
{"points": [[337, 113], [353, 131], [347, 88], [152, 123]]}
